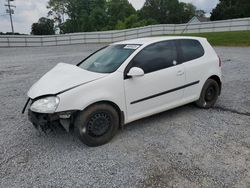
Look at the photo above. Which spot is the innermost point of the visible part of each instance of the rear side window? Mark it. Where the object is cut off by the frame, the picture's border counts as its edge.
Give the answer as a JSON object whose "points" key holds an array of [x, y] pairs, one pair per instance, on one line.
{"points": [[191, 49], [156, 57]]}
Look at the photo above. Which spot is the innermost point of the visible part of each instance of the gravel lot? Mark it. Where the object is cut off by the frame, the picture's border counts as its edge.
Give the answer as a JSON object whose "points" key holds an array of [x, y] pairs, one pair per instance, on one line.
{"points": [[184, 147]]}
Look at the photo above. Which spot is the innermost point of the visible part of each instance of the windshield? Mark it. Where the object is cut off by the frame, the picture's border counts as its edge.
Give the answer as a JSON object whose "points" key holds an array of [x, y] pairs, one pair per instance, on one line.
{"points": [[109, 59]]}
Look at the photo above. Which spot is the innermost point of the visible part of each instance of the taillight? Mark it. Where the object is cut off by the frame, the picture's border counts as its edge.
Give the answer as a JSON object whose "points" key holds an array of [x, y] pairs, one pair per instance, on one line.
{"points": [[219, 61]]}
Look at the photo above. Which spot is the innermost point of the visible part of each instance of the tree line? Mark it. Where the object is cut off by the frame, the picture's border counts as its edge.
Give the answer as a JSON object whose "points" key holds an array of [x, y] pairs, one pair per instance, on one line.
{"points": [[70, 16]]}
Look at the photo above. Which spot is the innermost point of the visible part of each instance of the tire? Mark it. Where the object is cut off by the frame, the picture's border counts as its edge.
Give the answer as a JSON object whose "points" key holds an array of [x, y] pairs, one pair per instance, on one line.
{"points": [[97, 125], [209, 94]]}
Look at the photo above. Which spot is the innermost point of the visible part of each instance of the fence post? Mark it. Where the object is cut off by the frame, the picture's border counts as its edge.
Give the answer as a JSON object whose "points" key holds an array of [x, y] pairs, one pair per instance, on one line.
{"points": [[248, 27], [41, 39], [8, 41], [84, 38], [25, 39], [230, 27]]}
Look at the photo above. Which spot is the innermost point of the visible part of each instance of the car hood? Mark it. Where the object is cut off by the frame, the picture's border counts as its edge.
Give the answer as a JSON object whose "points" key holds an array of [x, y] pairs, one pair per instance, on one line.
{"points": [[61, 78]]}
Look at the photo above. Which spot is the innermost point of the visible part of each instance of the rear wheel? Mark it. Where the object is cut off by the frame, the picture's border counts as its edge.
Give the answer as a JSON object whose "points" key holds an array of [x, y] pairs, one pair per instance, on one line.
{"points": [[97, 125], [209, 94]]}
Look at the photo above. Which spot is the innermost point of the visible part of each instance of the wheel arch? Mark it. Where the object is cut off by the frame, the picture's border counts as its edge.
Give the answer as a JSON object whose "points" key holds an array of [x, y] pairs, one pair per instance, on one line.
{"points": [[218, 80], [115, 106]]}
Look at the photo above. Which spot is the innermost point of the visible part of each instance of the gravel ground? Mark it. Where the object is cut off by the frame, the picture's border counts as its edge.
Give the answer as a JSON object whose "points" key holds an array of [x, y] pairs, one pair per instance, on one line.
{"points": [[184, 147]]}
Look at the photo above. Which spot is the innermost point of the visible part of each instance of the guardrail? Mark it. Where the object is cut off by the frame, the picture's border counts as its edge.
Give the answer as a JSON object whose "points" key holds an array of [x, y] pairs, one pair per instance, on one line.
{"points": [[119, 35]]}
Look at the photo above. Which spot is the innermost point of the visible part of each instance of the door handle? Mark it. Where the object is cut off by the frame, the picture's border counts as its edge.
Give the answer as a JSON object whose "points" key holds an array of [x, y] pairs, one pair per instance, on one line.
{"points": [[180, 72]]}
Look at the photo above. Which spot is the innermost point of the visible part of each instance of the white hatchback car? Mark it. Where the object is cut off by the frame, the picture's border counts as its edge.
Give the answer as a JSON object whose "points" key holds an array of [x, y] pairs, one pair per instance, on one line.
{"points": [[124, 82]]}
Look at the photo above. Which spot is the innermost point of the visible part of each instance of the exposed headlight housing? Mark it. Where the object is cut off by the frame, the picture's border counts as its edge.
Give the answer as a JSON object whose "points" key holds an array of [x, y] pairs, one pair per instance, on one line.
{"points": [[46, 105]]}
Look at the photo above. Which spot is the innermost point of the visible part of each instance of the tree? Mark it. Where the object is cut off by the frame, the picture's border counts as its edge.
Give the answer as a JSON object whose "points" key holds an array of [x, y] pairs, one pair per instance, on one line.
{"points": [[120, 25], [167, 11], [85, 15], [118, 10], [163, 11], [44, 26], [57, 9], [230, 9], [186, 12], [95, 15], [134, 21], [98, 15], [98, 19]]}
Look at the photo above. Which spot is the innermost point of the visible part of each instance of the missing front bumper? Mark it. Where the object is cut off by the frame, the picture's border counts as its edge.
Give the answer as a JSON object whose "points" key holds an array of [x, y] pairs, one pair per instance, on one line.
{"points": [[48, 122], [43, 122]]}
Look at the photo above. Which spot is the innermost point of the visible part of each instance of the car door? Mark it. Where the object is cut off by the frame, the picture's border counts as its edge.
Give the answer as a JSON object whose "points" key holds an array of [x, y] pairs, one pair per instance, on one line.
{"points": [[160, 87], [191, 56]]}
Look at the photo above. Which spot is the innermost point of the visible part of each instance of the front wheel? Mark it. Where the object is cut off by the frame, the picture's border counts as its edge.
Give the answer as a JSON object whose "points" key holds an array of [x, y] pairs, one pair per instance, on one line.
{"points": [[209, 94], [97, 125]]}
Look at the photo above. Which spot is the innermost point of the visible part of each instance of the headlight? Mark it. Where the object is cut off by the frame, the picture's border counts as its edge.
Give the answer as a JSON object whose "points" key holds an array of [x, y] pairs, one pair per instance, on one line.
{"points": [[46, 105]]}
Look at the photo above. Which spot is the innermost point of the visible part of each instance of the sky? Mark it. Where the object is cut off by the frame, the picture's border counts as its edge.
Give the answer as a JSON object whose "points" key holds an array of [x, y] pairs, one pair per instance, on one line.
{"points": [[29, 11]]}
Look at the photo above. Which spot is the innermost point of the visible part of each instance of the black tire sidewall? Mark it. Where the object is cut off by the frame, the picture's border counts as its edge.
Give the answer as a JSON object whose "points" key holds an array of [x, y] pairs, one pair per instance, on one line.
{"points": [[83, 118], [202, 100]]}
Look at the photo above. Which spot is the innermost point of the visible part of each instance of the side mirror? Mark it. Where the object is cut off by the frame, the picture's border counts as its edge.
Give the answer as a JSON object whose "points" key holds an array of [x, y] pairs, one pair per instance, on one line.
{"points": [[135, 72]]}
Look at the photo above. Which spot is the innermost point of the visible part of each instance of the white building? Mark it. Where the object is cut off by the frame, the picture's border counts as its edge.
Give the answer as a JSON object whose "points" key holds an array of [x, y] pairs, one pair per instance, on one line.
{"points": [[197, 19]]}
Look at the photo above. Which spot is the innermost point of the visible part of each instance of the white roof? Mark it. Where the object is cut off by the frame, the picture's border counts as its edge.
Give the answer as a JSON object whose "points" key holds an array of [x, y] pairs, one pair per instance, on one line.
{"points": [[150, 40]]}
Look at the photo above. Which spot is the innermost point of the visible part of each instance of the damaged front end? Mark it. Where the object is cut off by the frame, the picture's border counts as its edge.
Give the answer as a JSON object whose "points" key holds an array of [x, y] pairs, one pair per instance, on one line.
{"points": [[47, 122], [44, 95], [43, 122]]}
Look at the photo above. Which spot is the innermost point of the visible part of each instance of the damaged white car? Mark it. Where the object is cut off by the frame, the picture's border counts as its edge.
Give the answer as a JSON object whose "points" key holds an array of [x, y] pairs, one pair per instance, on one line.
{"points": [[124, 82]]}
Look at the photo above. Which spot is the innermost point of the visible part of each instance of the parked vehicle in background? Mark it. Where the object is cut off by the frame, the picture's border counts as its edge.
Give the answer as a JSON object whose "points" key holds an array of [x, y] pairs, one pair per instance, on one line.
{"points": [[124, 82]]}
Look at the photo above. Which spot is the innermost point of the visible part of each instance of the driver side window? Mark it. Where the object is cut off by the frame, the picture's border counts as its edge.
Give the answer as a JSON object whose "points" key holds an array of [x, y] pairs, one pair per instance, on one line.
{"points": [[156, 57]]}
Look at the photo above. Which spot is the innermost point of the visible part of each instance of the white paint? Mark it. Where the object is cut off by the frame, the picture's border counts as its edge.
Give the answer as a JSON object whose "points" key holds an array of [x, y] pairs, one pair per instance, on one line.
{"points": [[136, 72], [95, 87], [62, 77]]}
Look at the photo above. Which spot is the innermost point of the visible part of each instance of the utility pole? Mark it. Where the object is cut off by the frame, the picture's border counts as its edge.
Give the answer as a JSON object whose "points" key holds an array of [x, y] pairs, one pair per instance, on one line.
{"points": [[10, 11]]}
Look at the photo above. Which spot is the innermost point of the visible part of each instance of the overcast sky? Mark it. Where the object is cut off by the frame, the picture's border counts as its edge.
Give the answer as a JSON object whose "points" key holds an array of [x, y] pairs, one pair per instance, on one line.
{"points": [[29, 11]]}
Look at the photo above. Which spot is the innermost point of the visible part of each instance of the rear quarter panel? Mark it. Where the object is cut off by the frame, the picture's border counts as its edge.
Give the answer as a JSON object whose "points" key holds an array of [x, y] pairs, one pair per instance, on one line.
{"points": [[200, 70]]}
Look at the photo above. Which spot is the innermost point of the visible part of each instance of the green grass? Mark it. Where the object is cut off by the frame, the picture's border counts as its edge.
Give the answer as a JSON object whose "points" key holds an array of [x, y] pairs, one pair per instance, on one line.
{"points": [[237, 38]]}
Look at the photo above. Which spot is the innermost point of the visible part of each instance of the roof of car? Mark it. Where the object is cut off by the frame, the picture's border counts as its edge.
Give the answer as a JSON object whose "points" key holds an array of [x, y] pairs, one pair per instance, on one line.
{"points": [[150, 40]]}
